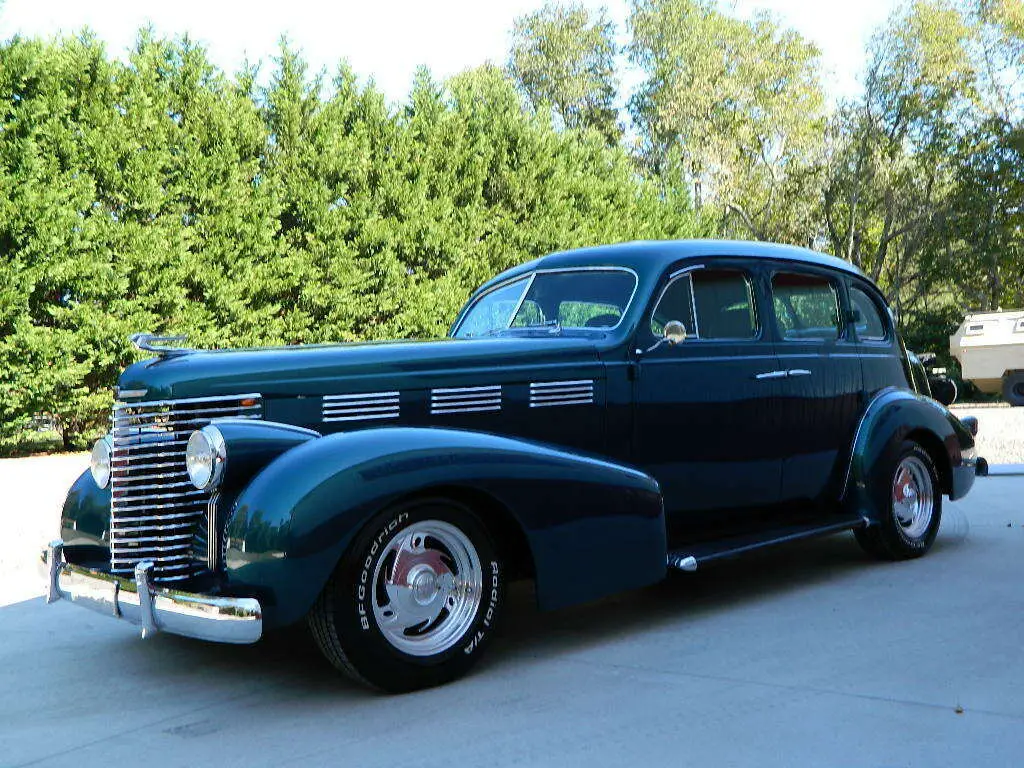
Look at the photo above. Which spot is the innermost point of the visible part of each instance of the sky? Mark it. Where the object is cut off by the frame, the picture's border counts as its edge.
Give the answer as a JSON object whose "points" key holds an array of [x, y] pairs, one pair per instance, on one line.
{"points": [[388, 39]]}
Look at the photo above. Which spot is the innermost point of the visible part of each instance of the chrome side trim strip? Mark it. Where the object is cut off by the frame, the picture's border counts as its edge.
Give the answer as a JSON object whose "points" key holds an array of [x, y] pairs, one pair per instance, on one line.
{"points": [[188, 400], [362, 396]]}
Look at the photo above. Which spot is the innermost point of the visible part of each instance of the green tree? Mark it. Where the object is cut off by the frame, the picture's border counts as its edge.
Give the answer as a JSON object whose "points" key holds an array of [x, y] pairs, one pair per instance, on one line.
{"points": [[161, 194], [736, 109], [563, 57]]}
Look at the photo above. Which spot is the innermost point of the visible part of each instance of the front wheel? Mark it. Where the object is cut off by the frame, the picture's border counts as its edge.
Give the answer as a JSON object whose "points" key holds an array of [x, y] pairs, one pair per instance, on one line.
{"points": [[908, 496], [415, 599]]}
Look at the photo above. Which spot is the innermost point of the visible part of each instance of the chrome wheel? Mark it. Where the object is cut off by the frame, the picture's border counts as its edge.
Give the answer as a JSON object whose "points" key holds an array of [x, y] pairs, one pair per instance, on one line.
{"points": [[426, 588], [913, 501]]}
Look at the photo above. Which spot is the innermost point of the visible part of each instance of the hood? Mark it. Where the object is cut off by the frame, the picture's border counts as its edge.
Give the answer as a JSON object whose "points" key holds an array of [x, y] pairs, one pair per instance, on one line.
{"points": [[362, 367]]}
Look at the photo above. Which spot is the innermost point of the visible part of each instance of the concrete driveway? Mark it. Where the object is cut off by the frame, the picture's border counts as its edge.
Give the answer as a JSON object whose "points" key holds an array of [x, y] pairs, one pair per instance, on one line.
{"points": [[808, 655]]}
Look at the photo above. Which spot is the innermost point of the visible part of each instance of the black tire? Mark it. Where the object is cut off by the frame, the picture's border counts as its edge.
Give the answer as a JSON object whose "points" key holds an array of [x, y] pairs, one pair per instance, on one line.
{"points": [[344, 620], [1013, 387], [889, 538]]}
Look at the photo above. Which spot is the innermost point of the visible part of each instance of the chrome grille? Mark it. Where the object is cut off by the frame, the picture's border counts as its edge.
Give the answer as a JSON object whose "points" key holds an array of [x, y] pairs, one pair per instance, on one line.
{"points": [[465, 399], [154, 510], [547, 393]]}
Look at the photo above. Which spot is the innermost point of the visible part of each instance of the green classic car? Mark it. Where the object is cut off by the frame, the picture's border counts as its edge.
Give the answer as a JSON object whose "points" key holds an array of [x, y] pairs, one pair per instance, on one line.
{"points": [[594, 418]]}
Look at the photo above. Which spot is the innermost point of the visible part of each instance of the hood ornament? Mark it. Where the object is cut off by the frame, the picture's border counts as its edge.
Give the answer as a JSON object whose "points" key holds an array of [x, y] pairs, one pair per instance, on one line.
{"points": [[150, 342]]}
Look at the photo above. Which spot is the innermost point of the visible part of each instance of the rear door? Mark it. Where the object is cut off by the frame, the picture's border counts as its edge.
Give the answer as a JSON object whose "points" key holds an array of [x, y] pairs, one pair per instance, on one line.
{"points": [[821, 395]]}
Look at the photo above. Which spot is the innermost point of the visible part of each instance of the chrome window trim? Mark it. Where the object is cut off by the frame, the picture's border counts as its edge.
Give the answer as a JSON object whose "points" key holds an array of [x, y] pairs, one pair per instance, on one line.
{"points": [[522, 300], [696, 337], [532, 275]]}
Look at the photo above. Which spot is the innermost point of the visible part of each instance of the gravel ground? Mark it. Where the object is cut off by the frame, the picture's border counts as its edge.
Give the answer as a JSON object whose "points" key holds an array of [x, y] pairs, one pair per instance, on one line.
{"points": [[1000, 431]]}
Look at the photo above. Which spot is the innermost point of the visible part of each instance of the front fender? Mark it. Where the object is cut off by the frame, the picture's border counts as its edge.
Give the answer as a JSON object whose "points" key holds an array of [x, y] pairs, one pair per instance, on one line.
{"points": [[592, 527], [895, 415], [84, 523]]}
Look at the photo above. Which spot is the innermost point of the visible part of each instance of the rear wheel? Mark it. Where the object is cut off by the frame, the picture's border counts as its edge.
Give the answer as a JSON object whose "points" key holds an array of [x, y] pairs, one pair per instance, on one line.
{"points": [[1013, 387], [414, 601], [906, 491]]}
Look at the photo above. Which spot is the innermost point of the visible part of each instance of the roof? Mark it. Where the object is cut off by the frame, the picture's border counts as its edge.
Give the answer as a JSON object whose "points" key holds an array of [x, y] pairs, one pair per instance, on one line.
{"points": [[646, 256]]}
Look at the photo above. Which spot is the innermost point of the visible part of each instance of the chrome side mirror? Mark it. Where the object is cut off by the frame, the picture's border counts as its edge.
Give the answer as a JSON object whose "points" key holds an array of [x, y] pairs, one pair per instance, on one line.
{"points": [[675, 332]]}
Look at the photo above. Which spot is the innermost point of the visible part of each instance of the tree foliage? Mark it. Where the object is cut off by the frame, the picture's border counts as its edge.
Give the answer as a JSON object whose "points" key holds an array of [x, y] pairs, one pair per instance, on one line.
{"points": [[563, 57], [160, 194], [734, 108]]}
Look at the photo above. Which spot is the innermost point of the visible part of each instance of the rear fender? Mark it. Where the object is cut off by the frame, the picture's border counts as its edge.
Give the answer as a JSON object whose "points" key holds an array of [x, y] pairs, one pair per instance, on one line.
{"points": [[893, 416], [592, 527]]}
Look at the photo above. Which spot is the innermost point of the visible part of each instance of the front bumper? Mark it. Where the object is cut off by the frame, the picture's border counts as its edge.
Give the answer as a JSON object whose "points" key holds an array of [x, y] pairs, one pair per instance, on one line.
{"points": [[219, 619]]}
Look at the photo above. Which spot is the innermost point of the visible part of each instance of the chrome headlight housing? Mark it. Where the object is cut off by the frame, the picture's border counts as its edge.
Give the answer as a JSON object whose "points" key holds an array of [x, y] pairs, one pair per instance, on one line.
{"points": [[99, 461], [205, 456]]}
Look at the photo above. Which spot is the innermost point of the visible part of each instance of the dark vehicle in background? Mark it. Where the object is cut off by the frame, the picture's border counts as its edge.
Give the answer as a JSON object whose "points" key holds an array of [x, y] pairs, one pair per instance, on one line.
{"points": [[595, 418]]}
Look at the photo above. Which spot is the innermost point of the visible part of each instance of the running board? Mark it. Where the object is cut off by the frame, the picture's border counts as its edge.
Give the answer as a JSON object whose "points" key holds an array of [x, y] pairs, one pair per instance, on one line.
{"points": [[692, 557]]}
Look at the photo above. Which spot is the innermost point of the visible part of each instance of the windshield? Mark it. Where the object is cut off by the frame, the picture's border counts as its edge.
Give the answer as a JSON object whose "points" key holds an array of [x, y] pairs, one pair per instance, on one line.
{"points": [[592, 298]]}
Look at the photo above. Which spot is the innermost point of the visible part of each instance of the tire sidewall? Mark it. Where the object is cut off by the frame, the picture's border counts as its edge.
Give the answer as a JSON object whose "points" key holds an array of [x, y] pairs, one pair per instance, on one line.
{"points": [[906, 545], [366, 646]]}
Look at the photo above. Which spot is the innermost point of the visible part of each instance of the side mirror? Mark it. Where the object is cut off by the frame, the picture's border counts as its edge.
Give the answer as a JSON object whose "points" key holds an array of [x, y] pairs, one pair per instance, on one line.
{"points": [[675, 332]]}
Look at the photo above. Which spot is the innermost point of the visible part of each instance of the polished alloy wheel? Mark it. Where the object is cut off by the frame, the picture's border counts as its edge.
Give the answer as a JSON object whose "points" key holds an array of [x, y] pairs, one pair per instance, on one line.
{"points": [[427, 587], [913, 502]]}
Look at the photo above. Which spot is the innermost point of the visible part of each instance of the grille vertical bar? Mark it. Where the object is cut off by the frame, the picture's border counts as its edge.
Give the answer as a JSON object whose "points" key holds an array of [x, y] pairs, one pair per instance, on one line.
{"points": [[155, 512]]}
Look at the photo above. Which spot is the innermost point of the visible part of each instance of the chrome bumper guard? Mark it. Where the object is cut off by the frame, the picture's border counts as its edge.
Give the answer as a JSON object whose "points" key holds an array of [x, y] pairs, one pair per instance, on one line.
{"points": [[219, 619]]}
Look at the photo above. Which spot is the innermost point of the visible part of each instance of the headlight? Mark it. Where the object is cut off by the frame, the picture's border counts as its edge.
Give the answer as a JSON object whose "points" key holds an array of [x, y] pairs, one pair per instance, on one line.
{"points": [[99, 461], [205, 456]]}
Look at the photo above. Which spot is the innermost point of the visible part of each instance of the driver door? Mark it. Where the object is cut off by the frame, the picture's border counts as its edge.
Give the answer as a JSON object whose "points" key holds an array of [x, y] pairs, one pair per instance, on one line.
{"points": [[705, 424]]}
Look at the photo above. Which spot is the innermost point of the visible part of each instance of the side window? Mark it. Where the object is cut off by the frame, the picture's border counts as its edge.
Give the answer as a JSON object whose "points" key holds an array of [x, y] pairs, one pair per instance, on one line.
{"points": [[676, 303], [806, 307], [711, 303], [724, 304], [868, 319]]}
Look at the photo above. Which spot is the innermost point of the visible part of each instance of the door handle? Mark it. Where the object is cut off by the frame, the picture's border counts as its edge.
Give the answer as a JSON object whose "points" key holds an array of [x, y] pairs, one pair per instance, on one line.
{"points": [[798, 372], [771, 375]]}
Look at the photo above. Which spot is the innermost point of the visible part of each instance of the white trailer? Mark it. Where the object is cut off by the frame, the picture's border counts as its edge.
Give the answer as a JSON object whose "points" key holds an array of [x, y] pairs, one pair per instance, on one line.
{"points": [[990, 348]]}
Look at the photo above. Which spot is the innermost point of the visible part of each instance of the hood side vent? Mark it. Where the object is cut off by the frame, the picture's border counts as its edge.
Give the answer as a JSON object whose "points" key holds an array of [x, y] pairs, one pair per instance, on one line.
{"points": [[465, 399], [548, 393], [361, 407]]}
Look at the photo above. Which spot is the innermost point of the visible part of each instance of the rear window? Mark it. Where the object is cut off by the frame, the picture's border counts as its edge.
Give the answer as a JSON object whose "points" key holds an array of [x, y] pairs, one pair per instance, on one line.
{"points": [[867, 317], [806, 307]]}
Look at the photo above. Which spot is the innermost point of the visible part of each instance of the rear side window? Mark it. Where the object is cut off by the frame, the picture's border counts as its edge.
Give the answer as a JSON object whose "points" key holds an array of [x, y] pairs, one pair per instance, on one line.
{"points": [[711, 303], [806, 307], [867, 318]]}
